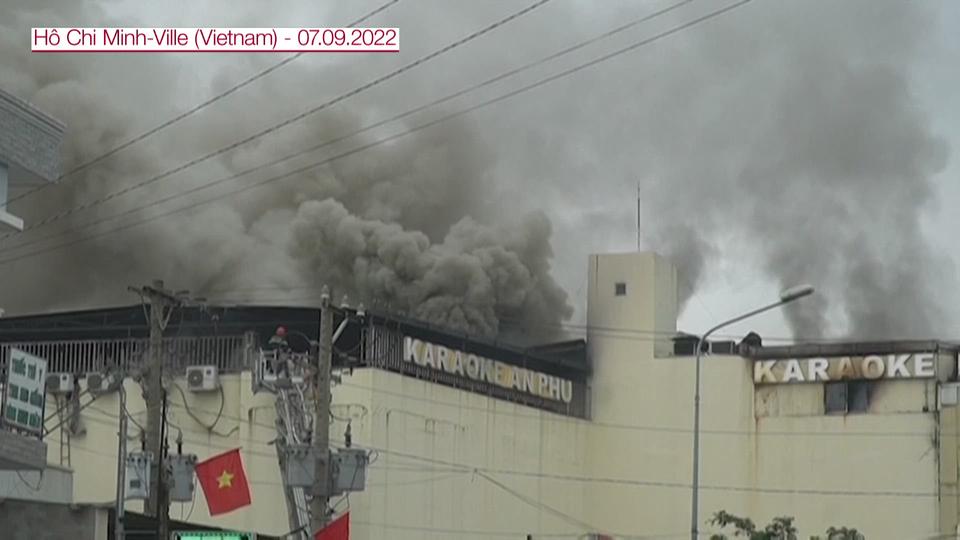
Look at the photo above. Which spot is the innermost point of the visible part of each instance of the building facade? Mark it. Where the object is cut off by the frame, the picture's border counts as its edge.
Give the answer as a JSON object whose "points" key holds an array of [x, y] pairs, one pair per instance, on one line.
{"points": [[30, 145], [29, 154], [473, 439]]}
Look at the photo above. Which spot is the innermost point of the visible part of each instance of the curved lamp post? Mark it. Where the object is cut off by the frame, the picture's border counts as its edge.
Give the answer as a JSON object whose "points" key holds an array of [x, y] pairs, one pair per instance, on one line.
{"points": [[787, 296]]}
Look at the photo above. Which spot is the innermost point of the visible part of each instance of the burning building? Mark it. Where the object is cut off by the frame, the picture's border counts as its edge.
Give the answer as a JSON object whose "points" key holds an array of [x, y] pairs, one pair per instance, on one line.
{"points": [[470, 437]]}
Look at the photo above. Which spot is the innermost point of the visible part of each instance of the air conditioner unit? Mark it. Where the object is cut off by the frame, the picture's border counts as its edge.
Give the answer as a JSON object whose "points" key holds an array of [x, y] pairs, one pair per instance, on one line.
{"points": [[98, 383], [949, 394], [202, 378], [60, 383]]}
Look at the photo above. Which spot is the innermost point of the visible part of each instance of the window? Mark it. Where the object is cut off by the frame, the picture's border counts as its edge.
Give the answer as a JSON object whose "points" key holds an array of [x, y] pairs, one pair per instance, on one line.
{"points": [[620, 289], [858, 396], [835, 398], [846, 397]]}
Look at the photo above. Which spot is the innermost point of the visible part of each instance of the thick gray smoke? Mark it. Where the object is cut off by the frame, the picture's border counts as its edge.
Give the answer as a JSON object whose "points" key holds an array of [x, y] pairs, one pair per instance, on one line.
{"points": [[399, 226], [818, 163], [783, 140], [471, 281]]}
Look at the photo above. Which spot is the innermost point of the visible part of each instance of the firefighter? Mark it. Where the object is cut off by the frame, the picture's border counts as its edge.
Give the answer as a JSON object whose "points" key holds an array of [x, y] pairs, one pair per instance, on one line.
{"points": [[278, 344]]}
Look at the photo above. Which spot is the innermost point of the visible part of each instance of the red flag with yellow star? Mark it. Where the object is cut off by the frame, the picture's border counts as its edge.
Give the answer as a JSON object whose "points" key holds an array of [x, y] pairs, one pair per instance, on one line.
{"points": [[223, 482]]}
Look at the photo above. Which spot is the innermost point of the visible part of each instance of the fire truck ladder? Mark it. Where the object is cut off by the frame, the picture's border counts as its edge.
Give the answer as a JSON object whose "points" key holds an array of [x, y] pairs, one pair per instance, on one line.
{"points": [[294, 425], [292, 422]]}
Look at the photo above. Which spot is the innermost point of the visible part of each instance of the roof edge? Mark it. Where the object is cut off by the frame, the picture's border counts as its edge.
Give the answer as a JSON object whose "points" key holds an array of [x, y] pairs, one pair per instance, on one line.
{"points": [[43, 120]]}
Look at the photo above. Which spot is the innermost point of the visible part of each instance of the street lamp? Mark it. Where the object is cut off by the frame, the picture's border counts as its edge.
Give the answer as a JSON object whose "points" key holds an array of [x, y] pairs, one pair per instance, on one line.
{"points": [[787, 296]]}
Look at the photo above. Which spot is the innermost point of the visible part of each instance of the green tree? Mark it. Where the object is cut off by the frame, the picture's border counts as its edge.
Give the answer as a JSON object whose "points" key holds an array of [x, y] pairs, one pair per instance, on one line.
{"points": [[781, 528]]}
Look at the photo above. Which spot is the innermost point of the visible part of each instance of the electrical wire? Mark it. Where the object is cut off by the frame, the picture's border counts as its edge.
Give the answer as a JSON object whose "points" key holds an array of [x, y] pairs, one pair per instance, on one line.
{"points": [[505, 75], [193, 110], [378, 142], [131, 417], [539, 505], [211, 428], [603, 330], [461, 467], [193, 501], [546, 416], [580, 328], [276, 127], [667, 484], [32, 488]]}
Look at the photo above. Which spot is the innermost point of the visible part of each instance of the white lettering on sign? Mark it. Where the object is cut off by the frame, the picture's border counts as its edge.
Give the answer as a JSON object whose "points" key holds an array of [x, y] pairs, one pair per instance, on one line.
{"points": [[763, 371], [923, 365], [871, 367], [477, 368], [818, 369], [792, 373], [898, 367]]}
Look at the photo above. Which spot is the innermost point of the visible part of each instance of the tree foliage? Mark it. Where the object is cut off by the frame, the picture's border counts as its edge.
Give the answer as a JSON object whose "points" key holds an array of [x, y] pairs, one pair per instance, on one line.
{"points": [[781, 528]]}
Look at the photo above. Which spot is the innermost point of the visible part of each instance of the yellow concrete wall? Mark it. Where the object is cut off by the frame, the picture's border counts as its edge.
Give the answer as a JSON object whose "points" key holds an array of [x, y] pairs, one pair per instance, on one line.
{"points": [[437, 445], [436, 436], [451, 461], [884, 464]]}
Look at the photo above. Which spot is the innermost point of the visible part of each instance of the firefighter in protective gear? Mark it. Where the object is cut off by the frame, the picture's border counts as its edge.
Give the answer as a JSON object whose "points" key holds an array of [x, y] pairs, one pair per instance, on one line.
{"points": [[278, 344]]}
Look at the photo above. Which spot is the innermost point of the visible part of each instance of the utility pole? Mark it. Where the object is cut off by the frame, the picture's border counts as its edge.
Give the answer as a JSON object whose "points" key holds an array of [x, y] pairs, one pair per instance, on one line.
{"points": [[321, 416], [163, 497], [121, 465], [162, 303]]}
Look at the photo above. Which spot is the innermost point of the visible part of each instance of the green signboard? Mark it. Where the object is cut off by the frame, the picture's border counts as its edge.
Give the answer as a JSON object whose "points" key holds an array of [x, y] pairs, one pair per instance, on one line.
{"points": [[213, 535], [26, 391]]}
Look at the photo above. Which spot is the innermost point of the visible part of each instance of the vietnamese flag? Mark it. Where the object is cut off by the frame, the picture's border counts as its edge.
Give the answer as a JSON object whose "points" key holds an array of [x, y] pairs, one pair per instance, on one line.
{"points": [[338, 530], [224, 483]]}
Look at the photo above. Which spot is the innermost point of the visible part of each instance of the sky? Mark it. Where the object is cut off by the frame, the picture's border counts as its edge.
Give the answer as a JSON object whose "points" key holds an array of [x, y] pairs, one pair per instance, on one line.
{"points": [[783, 142]]}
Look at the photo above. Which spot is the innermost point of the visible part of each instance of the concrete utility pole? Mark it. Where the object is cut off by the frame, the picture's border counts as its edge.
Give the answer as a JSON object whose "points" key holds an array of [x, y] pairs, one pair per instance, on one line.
{"points": [[121, 464], [162, 303], [163, 497], [321, 420]]}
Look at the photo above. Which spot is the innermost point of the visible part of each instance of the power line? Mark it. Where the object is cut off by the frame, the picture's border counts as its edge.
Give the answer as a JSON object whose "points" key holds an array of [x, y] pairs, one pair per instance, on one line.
{"points": [[381, 141], [569, 326], [539, 504], [400, 116], [552, 417], [547, 416], [24, 481], [455, 466], [276, 127], [211, 427], [195, 109], [666, 484]]}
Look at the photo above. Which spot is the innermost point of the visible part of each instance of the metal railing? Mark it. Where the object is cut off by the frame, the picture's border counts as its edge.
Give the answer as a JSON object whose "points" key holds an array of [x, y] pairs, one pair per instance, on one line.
{"points": [[228, 353]]}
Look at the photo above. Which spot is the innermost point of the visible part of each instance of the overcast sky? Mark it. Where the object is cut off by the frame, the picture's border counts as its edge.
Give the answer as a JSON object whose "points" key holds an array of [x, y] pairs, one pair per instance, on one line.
{"points": [[695, 119]]}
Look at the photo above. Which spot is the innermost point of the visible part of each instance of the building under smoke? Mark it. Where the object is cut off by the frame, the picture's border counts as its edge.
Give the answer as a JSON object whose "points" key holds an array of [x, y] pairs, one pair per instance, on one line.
{"points": [[464, 432]]}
